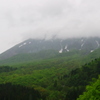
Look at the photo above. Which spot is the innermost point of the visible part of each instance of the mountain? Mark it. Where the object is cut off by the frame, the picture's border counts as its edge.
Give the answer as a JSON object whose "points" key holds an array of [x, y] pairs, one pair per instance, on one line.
{"points": [[54, 69], [59, 45]]}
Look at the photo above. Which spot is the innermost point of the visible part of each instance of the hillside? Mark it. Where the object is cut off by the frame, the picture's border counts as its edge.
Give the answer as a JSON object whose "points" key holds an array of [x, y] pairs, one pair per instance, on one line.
{"points": [[55, 79], [59, 45], [51, 54]]}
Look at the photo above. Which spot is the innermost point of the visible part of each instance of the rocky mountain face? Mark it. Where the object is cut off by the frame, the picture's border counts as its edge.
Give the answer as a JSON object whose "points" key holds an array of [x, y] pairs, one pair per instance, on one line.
{"points": [[60, 45]]}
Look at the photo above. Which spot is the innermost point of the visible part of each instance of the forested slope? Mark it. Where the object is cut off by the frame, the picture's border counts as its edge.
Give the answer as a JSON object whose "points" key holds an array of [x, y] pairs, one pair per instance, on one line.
{"points": [[18, 92], [59, 78], [81, 56]]}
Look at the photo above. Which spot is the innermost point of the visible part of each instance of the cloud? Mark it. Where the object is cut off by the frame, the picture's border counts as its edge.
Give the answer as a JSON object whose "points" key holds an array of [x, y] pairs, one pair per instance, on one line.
{"points": [[22, 19]]}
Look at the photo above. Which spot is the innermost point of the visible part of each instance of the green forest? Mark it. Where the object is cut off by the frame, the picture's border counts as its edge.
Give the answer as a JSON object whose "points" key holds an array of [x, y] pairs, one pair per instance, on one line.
{"points": [[68, 76]]}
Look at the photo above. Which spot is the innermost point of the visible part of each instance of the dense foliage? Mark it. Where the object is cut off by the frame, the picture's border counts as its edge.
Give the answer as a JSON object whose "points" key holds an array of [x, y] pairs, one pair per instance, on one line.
{"points": [[77, 79], [63, 77], [7, 69], [18, 92], [92, 91]]}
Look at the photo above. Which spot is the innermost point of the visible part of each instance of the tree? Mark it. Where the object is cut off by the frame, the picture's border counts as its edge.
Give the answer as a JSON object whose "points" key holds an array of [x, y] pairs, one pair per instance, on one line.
{"points": [[92, 92]]}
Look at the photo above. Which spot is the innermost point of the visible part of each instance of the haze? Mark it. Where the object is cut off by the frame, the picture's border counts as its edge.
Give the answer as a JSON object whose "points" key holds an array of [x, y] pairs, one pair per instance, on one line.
{"points": [[23, 19]]}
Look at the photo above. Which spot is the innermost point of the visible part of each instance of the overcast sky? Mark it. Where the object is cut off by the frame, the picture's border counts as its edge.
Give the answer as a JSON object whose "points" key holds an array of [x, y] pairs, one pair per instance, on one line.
{"points": [[23, 19]]}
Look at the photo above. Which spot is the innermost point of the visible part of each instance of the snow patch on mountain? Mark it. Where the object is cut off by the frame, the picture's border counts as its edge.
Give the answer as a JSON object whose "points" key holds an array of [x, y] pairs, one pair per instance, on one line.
{"points": [[97, 43], [82, 40], [91, 50], [61, 51], [81, 46], [24, 43], [20, 46], [29, 42], [66, 47]]}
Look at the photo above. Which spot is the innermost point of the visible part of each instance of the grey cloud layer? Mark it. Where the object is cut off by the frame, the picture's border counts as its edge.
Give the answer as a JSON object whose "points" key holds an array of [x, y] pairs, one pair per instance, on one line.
{"points": [[22, 19]]}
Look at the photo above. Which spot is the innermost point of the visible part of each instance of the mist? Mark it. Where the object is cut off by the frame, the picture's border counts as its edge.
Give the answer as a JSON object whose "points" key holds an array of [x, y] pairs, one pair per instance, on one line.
{"points": [[23, 19]]}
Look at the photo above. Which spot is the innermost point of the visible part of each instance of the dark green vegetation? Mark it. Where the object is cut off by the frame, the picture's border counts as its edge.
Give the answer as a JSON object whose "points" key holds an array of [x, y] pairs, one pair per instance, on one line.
{"points": [[50, 77], [92, 91], [77, 79], [6, 69], [18, 92]]}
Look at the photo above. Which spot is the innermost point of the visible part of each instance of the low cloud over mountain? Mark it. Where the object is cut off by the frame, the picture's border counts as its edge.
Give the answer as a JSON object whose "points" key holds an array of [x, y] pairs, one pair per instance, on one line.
{"points": [[23, 19]]}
